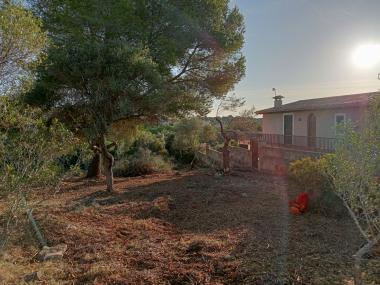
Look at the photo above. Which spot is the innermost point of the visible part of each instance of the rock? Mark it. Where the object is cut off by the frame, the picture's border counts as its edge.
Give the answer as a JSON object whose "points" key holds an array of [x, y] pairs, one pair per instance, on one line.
{"points": [[244, 195], [35, 276], [52, 253]]}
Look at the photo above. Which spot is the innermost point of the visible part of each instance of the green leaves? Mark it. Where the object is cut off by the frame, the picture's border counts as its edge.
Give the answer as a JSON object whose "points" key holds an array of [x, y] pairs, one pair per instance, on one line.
{"points": [[125, 59], [29, 147], [354, 173], [21, 43]]}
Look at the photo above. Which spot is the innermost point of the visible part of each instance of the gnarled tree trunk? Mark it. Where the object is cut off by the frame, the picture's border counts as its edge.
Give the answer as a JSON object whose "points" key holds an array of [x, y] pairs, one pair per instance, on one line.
{"points": [[225, 150], [108, 162], [226, 155], [94, 169]]}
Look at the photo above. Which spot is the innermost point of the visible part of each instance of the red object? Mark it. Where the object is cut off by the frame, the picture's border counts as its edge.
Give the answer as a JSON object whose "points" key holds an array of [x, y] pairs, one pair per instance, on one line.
{"points": [[300, 204]]}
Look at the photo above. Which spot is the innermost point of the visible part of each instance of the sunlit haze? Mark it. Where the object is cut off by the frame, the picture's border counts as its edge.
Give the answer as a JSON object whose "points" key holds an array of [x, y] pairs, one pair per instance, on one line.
{"points": [[309, 49], [366, 56]]}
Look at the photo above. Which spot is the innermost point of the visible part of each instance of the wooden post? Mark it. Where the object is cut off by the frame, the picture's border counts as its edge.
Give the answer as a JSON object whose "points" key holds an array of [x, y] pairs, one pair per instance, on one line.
{"points": [[255, 153], [226, 155]]}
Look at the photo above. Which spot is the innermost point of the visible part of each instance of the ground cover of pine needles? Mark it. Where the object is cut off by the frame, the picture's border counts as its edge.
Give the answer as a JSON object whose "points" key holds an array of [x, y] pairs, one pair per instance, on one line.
{"points": [[194, 227]]}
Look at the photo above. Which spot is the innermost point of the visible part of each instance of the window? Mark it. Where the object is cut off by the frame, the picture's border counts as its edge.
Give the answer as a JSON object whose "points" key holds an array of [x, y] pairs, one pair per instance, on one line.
{"points": [[340, 119]]}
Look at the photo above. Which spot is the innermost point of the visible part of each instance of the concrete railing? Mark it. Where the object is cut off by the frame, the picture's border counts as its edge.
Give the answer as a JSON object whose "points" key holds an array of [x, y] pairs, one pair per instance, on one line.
{"points": [[271, 159]]}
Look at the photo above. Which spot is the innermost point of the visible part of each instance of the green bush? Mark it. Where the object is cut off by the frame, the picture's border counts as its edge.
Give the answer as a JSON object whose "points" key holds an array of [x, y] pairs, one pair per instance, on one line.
{"points": [[142, 162], [147, 140], [186, 137], [79, 157], [309, 175]]}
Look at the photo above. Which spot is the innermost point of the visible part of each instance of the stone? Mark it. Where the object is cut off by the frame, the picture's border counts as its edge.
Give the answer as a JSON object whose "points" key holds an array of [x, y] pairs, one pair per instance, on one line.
{"points": [[244, 195], [35, 276], [52, 253]]}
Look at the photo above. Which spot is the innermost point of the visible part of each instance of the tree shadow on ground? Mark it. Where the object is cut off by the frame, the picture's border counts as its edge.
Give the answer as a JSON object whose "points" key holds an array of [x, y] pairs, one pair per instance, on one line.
{"points": [[275, 247]]}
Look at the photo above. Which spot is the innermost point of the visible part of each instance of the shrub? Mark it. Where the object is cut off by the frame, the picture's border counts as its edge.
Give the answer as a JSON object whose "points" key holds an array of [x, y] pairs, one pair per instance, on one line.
{"points": [[187, 136], [142, 162], [309, 174], [78, 158], [29, 151], [354, 174], [147, 140]]}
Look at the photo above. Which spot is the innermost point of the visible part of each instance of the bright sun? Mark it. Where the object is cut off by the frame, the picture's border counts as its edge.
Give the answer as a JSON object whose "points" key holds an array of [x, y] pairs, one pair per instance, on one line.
{"points": [[366, 56]]}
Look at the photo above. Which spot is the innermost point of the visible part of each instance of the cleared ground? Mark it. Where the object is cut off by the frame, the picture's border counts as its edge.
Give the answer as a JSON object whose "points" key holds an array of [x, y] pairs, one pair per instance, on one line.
{"points": [[188, 228]]}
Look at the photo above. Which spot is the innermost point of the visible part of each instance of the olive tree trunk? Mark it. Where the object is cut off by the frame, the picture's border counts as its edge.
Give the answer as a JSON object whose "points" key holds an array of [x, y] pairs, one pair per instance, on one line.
{"points": [[225, 150], [94, 169], [108, 162], [226, 156]]}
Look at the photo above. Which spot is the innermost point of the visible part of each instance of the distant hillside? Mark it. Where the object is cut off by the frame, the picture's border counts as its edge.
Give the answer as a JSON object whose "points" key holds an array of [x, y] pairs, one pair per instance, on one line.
{"points": [[233, 121]]}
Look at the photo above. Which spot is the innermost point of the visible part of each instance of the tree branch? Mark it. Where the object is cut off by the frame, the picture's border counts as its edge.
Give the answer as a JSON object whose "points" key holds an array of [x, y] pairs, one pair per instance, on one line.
{"points": [[221, 126], [184, 69]]}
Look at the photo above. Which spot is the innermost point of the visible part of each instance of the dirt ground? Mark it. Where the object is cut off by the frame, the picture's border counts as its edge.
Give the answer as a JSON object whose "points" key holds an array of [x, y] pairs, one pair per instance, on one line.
{"points": [[187, 228]]}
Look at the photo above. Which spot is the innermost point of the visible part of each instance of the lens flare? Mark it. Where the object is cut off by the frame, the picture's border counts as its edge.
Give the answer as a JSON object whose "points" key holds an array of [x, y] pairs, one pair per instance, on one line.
{"points": [[366, 56]]}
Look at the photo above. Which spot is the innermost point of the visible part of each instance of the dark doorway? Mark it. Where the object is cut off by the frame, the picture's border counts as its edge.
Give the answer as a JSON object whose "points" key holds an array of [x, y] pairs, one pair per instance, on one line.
{"points": [[288, 129], [311, 130]]}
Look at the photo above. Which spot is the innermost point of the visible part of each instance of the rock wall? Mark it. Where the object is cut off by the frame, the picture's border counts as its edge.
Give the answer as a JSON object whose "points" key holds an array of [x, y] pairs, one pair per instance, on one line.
{"points": [[276, 160], [240, 158], [211, 158], [272, 159]]}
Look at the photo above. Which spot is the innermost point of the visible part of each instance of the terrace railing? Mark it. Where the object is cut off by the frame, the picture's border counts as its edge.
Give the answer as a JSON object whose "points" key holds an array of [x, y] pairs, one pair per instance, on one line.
{"points": [[303, 142]]}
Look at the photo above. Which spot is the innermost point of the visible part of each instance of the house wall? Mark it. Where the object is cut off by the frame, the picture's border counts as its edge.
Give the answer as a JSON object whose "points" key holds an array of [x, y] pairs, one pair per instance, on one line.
{"points": [[273, 123]]}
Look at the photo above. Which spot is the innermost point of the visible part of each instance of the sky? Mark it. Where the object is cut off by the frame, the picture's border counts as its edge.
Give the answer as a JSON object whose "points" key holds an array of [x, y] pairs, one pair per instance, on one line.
{"points": [[305, 49]]}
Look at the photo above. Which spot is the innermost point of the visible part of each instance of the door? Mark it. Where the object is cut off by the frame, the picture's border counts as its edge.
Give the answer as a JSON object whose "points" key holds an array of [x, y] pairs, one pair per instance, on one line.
{"points": [[288, 129], [311, 130]]}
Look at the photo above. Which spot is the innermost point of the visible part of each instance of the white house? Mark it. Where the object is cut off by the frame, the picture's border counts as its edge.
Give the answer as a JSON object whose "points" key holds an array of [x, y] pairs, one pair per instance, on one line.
{"points": [[313, 122]]}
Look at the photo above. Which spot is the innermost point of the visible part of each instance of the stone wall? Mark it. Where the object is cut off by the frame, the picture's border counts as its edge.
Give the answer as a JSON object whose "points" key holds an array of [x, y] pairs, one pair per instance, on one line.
{"points": [[240, 158], [272, 159], [211, 158], [276, 160]]}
